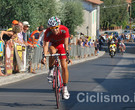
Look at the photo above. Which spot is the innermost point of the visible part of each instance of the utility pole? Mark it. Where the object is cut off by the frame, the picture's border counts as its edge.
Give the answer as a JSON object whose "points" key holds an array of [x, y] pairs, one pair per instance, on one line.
{"points": [[98, 21], [130, 19]]}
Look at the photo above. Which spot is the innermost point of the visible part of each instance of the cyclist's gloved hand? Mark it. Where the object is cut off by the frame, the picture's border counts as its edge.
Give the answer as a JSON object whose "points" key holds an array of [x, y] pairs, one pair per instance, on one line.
{"points": [[67, 54], [43, 59]]}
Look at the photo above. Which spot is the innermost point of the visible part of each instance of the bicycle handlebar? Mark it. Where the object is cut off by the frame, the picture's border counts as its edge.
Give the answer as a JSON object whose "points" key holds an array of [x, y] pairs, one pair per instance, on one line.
{"points": [[56, 54]]}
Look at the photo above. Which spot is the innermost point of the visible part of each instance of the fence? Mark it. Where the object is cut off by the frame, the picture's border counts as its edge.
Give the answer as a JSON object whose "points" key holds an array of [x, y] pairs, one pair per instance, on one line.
{"points": [[76, 51], [34, 56], [3, 28], [30, 58]]}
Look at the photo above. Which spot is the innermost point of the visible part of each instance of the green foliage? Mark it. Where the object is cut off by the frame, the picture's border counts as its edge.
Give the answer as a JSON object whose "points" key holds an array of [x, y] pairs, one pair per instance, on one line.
{"points": [[73, 15], [37, 12], [7, 12], [124, 24], [113, 14], [133, 9]]}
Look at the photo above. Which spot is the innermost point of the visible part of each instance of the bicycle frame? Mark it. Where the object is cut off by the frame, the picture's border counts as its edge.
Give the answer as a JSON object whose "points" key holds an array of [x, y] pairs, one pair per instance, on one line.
{"points": [[57, 79], [58, 74]]}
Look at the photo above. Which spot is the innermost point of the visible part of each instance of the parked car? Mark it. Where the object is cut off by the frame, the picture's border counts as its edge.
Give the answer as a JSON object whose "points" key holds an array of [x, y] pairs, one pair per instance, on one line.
{"points": [[110, 32], [133, 31], [126, 32]]}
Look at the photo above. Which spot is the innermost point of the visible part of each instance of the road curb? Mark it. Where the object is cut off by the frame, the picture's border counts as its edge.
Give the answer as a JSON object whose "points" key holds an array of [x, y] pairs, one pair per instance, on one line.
{"points": [[4, 80]]}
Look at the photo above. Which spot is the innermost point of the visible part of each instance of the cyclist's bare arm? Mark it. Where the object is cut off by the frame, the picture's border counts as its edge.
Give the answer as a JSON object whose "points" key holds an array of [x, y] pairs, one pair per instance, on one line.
{"points": [[66, 48], [5, 32], [45, 49], [66, 44]]}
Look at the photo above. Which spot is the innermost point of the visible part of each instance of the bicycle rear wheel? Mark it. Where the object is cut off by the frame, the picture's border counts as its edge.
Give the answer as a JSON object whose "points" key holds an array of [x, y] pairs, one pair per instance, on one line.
{"points": [[57, 93]]}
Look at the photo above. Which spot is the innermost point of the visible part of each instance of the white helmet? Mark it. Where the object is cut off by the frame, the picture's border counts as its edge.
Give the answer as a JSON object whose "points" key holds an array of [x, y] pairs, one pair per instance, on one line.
{"points": [[54, 21], [112, 42]]}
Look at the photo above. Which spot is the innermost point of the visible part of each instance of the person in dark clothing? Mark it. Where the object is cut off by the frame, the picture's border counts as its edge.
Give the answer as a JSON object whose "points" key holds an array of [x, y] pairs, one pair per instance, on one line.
{"points": [[101, 42], [7, 35]]}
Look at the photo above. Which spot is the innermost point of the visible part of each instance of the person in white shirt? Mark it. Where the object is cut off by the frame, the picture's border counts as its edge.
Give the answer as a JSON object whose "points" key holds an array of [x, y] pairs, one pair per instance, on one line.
{"points": [[20, 35]]}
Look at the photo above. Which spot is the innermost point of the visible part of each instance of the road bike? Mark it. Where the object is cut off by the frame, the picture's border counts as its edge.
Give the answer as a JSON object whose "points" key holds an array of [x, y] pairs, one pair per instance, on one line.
{"points": [[122, 48], [57, 83], [112, 51]]}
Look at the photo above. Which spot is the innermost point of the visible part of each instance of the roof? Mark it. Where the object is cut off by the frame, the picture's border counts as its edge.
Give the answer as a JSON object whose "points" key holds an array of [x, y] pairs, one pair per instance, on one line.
{"points": [[129, 1], [97, 2]]}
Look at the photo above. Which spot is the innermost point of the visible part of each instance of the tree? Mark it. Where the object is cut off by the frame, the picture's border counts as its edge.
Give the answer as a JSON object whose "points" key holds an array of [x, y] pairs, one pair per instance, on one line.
{"points": [[113, 12], [37, 12], [133, 9], [7, 12], [73, 15]]}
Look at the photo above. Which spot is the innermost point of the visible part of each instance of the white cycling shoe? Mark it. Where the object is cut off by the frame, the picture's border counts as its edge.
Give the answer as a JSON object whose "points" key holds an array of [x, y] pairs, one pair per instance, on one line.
{"points": [[66, 94], [50, 76]]}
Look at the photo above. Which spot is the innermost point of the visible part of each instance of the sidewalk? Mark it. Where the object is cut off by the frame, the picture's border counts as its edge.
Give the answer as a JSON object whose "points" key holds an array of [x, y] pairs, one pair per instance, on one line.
{"points": [[22, 76]]}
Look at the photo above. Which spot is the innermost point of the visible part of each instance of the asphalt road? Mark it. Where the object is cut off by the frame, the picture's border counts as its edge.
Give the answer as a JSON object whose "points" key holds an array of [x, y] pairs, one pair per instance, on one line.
{"points": [[102, 84]]}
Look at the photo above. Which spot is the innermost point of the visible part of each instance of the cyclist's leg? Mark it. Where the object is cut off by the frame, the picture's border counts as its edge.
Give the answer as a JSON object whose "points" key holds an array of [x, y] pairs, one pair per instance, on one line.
{"points": [[65, 77], [52, 50], [65, 74], [61, 50]]}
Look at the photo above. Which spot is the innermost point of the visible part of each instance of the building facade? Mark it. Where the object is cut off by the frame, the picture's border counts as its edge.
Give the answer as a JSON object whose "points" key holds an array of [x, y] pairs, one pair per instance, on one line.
{"points": [[90, 27]]}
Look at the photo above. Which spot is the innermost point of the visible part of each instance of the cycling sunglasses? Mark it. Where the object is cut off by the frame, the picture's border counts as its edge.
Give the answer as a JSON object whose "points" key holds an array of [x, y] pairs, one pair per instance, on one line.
{"points": [[55, 27]]}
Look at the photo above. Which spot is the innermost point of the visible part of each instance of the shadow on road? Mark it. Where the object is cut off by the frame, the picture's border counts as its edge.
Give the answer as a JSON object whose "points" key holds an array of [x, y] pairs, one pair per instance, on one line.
{"points": [[26, 90]]}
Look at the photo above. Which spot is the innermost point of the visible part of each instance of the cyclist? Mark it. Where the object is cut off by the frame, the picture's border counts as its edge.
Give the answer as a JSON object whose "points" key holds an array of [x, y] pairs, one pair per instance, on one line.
{"points": [[110, 37], [113, 45], [57, 35], [122, 46]]}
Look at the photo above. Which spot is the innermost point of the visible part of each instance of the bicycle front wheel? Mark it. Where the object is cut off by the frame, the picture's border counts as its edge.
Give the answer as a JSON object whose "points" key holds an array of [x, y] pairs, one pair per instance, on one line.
{"points": [[57, 94]]}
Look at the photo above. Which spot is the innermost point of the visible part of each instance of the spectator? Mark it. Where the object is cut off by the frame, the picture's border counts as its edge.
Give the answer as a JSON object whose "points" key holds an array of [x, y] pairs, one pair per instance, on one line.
{"points": [[101, 42], [89, 43], [128, 37], [41, 37], [85, 43], [81, 34], [33, 39], [20, 41], [69, 41], [92, 43], [20, 35], [132, 37], [96, 44], [80, 42], [107, 38], [123, 36], [14, 22], [70, 38], [7, 35], [25, 30], [103, 37]]}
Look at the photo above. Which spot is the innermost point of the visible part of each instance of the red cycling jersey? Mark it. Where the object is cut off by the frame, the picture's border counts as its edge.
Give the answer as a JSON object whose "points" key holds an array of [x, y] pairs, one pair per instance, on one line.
{"points": [[56, 39]]}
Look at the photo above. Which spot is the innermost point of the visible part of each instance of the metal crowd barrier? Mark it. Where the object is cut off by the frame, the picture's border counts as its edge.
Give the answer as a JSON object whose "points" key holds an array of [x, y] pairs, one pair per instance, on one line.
{"points": [[81, 52], [34, 55], [76, 51]]}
